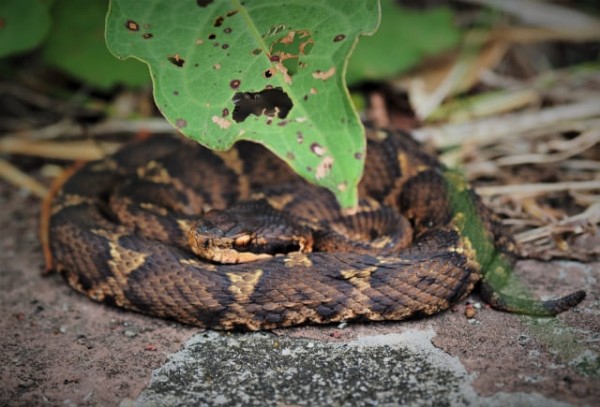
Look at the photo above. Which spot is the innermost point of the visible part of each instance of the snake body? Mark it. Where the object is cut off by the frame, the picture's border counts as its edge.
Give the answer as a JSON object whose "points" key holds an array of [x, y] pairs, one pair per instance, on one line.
{"points": [[120, 229]]}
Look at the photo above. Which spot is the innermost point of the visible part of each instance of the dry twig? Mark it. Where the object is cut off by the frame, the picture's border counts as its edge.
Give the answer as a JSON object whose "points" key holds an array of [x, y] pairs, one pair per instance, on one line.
{"points": [[19, 179]]}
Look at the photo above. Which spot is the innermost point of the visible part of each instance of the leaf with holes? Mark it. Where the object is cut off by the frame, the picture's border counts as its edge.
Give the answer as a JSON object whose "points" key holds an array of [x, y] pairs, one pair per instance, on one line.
{"points": [[267, 71]]}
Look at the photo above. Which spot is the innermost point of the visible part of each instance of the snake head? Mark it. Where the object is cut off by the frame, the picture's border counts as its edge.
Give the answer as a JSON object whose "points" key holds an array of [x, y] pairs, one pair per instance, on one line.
{"points": [[247, 232], [219, 229]]}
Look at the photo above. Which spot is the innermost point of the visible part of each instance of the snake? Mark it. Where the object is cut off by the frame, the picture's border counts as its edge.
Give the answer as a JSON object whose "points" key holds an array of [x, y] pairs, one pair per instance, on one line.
{"points": [[235, 240]]}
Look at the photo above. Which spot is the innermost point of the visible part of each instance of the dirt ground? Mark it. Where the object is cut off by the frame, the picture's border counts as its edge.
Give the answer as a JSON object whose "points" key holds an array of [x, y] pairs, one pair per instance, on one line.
{"points": [[59, 348]]}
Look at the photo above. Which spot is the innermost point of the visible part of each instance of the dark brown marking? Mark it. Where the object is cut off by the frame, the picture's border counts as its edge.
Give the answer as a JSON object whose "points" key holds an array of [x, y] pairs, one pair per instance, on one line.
{"points": [[300, 137], [180, 123], [231, 13], [268, 73], [175, 93], [339, 37], [256, 51], [203, 3], [212, 36], [225, 112], [176, 60], [227, 30], [132, 25], [358, 156], [219, 21], [147, 36], [234, 85], [274, 58], [225, 46]]}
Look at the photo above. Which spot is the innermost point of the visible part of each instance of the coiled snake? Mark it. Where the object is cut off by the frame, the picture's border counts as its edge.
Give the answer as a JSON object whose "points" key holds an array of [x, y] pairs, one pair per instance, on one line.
{"points": [[268, 250]]}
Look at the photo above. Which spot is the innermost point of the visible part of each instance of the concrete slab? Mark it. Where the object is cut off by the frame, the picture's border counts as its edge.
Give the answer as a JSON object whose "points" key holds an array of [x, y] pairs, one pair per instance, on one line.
{"points": [[266, 370]]}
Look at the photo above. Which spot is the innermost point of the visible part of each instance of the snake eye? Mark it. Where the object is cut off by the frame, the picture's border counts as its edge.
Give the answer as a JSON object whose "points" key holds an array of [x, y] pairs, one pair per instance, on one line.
{"points": [[208, 229]]}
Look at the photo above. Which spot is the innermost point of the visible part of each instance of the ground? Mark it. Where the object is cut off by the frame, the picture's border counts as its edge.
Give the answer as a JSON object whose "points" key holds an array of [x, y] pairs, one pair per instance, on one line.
{"points": [[60, 348]]}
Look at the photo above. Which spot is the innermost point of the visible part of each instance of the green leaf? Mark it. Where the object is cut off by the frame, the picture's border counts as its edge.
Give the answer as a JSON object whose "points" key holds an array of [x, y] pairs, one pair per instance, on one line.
{"points": [[23, 24], [76, 45], [402, 40], [262, 70]]}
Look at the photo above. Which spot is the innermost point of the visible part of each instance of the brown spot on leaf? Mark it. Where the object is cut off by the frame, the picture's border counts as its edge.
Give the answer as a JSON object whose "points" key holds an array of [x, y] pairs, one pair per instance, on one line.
{"points": [[339, 37], [227, 30], [203, 3], [225, 112], [268, 73], [199, 41], [358, 156], [234, 85], [317, 149], [231, 13], [324, 75], [290, 155], [212, 36], [256, 51], [175, 93], [324, 167], [180, 123], [221, 122], [176, 60], [147, 36], [300, 137], [216, 67], [274, 58], [282, 123], [225, 46], [219, 21], [268, 102], [342, 186], [132, 25]]}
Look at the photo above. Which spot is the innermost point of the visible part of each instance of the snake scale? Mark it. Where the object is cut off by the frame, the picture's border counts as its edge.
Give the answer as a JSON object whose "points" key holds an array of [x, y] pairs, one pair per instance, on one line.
{"points": [[235, 240]]}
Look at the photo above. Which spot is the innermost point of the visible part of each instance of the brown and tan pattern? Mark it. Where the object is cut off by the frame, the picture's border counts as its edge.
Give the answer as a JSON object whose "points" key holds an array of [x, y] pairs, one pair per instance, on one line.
{"points": [[268, 250]]}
